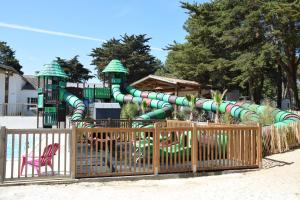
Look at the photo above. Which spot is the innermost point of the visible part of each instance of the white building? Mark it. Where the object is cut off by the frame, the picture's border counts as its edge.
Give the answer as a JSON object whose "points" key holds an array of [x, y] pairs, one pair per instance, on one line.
{"points": [[16, 92]]}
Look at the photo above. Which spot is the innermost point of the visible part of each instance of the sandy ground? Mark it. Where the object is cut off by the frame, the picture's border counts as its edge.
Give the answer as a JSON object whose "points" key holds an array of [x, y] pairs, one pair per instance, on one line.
{"points": [[280, 179]]}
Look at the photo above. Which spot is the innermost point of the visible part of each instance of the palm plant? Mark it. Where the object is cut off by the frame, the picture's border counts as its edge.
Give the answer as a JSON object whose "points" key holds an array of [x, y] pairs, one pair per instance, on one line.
{"points": [[144, 106], [218, 99], [192, 103]]}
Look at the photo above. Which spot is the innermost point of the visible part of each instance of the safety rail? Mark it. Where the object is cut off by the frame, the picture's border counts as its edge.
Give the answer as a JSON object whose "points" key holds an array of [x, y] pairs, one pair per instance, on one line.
{"points": [[133, 151], [102, 151], [34, 153]]}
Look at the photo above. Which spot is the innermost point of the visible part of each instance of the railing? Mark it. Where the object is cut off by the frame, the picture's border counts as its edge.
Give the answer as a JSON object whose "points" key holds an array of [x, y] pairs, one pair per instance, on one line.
{"points": [[228, 147], [8, 109], [34, 153], [133, 151], [112, 151], [120, 123], [95, 152]]}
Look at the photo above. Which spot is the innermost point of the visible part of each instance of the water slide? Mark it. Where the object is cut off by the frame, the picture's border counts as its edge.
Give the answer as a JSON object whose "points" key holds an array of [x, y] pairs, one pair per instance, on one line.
{"points": [[238, 110], [162, 107], [79, 109]]}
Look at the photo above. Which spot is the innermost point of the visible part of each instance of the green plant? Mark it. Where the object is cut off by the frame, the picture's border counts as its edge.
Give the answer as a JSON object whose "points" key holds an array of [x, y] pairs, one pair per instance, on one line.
{"points": [[192, 104], [129, 111], [226, 118], [144, 106], [265, 117], [218, 99]]}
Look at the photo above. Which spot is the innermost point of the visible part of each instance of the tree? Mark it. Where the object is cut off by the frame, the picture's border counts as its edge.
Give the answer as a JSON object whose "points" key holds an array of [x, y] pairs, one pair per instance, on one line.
{"points": [[236, 44], [7, 57], [134, 53], [218, 99], [282, 19], [74, 69]]}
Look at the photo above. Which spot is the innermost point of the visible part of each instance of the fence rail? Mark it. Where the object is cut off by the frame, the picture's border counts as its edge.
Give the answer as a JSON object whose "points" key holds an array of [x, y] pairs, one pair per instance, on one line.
{"points": [[34, 153], [95, 152], [134, 151], [120, 123]]}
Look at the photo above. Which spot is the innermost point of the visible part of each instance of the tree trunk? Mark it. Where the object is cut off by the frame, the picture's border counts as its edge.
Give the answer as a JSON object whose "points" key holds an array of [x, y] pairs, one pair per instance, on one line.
{"points": [[279, 86], [292, 81], [217, 115], [258, 89]]}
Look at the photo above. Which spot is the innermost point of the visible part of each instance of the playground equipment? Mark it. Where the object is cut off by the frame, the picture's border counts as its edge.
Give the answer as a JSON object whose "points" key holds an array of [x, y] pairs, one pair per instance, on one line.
{"points": [[53, 96]]}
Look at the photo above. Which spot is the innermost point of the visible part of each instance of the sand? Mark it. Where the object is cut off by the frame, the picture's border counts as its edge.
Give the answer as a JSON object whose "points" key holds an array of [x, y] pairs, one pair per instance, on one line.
{"points": [[280, 179]]}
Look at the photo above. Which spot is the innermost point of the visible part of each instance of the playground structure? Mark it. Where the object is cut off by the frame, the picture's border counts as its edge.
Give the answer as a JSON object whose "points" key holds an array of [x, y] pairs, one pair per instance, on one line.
{"points": [[53, 96], [135, 147]]}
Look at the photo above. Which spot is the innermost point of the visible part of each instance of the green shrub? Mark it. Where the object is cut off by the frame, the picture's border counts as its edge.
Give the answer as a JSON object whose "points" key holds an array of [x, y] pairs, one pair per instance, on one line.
{"points": [[129, 111]]}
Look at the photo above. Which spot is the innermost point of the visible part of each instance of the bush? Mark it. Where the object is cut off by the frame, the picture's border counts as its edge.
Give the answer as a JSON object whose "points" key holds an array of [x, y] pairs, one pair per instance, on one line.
{"points": [[265, 117], [129, 111]]}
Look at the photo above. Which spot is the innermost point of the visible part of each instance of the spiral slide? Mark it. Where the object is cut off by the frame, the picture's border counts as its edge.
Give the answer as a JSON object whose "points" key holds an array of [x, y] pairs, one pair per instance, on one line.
{"points": [[79, 109], [162, 107], [238, 110]]}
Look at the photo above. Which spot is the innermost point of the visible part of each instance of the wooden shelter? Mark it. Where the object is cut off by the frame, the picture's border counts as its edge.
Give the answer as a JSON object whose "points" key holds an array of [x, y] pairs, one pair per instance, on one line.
{"points": [[174, 86]]}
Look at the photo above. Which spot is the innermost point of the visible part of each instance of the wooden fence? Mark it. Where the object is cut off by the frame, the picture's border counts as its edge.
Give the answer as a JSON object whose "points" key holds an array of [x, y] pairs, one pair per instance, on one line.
{"points": [[95, 152], [135, 151], [119, 123], [34, 153]]}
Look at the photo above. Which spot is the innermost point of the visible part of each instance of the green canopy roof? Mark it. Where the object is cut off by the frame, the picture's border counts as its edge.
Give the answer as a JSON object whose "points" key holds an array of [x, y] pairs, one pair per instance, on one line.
{"points": [[115, 66], [52, 69]]}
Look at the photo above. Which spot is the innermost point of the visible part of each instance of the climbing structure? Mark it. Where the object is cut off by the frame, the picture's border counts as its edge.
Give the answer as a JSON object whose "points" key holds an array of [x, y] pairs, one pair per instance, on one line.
{"points": [[52, 98], [163, 102], [51, 79]]}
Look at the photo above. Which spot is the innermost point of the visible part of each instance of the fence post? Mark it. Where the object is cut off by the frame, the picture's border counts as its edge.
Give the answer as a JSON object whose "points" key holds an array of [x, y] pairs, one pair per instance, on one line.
{"points": [[259, 144], [156, 150], [73, 152], [2, 153], [194, 148]]}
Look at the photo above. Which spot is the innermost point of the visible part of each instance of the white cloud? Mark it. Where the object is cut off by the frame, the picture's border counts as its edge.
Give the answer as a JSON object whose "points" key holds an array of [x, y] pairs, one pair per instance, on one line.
{"points": [[37, 30], [57, 33]]}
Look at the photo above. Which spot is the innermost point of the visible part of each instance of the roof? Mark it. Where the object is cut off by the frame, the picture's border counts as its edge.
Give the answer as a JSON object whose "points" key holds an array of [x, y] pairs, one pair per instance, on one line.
{"points": [[8, 68], [31, 82], [165, 84], [115, 66], [174, 81], [52, 69]]}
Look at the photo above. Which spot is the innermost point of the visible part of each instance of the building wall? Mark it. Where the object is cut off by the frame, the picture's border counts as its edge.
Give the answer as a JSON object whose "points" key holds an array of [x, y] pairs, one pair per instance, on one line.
{"points": [[232, 95], [2, 88], [16, 96], [16, 83], [24, 94]]}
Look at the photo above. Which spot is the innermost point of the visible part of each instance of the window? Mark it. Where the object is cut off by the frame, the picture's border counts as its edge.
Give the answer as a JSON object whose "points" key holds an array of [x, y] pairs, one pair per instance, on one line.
{"points": [[31, 101]]}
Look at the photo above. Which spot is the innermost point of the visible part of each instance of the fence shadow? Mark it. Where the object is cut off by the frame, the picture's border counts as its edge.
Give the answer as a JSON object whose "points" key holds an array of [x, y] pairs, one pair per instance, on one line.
{"points": [[269, 163]]}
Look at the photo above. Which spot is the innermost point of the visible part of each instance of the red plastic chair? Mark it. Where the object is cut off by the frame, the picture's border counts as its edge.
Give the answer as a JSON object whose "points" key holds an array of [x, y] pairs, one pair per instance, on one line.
{"points": [[44, 160]]}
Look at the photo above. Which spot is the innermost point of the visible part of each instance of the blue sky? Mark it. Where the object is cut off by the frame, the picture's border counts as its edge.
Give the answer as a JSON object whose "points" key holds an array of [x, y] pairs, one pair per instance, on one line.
{"points": [[88, 23]]}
